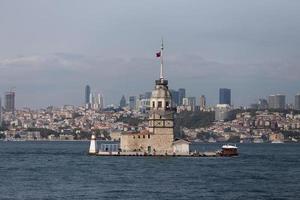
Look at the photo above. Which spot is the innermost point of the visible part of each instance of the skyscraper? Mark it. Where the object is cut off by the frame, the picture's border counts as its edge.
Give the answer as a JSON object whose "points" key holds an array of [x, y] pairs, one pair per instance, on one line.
{"points": [[123, 102], [224, 96], [271, 101], [297, 101], [181, 95], [10, 102], [202, 102], [100, 101], [262, 104], [189, 103], [175, 97], [87, 94], [142, 103], [277, 101], [192, 103], [132, 102], [280, 98]]}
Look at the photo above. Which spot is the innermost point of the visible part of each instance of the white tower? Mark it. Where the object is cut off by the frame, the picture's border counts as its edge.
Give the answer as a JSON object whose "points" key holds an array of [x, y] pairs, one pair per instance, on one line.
{"points": [[93, 145], [161, 119]]}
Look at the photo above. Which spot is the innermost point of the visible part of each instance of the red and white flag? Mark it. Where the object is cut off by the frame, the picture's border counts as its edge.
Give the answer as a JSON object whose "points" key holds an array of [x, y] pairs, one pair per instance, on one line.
{"points": [[158, 54]]}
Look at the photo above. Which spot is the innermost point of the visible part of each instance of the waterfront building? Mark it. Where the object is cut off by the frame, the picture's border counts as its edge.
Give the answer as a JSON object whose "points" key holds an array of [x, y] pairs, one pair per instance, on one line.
{"points": [[224, 96], [202, 102], [276, 137], [297, 102], [181, 95], [10, 102], [158, 139], [277, 101]]}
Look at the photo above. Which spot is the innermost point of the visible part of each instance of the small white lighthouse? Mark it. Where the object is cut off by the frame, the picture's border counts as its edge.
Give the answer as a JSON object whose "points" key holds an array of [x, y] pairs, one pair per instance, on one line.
{"points": [[93, 145]]}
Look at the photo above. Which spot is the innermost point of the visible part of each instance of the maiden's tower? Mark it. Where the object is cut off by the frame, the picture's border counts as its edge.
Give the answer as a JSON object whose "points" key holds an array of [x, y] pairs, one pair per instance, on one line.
{"points": [[158, 138]]}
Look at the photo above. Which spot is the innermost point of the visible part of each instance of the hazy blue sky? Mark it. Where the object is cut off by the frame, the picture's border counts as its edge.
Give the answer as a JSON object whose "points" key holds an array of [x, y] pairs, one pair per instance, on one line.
{"points": [[51, 49]]}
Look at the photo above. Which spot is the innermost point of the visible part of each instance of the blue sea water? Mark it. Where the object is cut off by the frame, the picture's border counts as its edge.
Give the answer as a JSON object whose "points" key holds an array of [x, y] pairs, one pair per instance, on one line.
{"points": [[63, 170]]}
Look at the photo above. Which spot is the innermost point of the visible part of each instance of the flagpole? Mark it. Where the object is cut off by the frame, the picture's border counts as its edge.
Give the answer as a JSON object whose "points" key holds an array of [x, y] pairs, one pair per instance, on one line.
{"points": [[161, 59]]}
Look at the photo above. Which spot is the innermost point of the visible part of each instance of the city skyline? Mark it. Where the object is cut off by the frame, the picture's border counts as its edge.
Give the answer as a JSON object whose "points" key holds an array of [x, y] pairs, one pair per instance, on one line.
{"points": [[227, 46], [90, 98]]}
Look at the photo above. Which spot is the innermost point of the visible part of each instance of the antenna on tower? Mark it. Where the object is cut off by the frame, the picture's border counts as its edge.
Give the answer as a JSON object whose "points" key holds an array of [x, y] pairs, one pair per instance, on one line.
{"points": [[161, 60]]}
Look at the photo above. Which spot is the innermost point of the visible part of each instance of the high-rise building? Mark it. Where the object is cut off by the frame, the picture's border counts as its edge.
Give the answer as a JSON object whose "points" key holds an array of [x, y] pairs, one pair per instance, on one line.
{"points": [[297, 102], [143, 102], [277, 101], [87, 97], [189, 103], [87, 94], [100, 101], [202, 102], [132, 102], [123, 102], [96, 101], [281, 101], [262, 104], [271, 101], [224, 96], [175, 97], [89, 105], [10, 102], [192, 102], [181, 95]]}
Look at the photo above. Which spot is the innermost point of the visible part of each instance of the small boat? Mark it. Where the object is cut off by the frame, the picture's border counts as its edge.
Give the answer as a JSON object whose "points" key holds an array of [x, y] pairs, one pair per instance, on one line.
{"points": [[277, 142], [294, 140], [229, 150]]}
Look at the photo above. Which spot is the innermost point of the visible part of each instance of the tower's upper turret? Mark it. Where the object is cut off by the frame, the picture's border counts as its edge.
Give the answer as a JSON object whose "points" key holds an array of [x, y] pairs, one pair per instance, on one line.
{"points": [[161, 96]]}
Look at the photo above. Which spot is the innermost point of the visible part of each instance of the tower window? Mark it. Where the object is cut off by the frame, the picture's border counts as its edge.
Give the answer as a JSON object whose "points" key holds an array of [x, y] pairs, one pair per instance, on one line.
{"points": [[153, 104], [148, 136], [159, 104], [167, 104], [139, 136]]}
